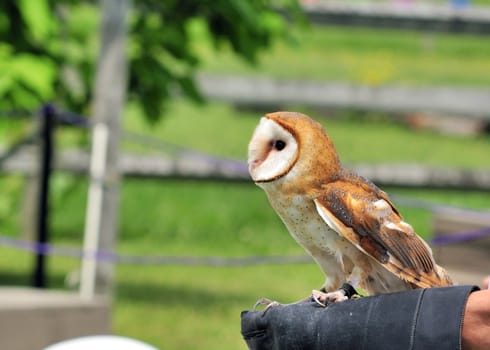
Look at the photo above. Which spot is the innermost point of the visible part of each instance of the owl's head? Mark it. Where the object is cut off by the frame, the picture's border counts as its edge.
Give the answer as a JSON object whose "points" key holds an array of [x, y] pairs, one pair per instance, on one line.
{"points": [[288, 142]]}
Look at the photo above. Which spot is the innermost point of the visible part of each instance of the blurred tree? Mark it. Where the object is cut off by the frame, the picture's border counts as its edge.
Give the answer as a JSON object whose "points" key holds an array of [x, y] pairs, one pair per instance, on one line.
{"points": [[48, 48]]}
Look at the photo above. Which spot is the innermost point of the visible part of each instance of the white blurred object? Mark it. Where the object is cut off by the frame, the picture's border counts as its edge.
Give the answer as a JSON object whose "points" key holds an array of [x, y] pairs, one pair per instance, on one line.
{"points": [[101, 342]]}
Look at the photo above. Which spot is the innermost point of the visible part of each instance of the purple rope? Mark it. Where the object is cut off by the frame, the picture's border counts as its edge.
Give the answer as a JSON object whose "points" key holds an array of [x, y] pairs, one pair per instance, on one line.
{"points": [[461, 236], [106, 256]]}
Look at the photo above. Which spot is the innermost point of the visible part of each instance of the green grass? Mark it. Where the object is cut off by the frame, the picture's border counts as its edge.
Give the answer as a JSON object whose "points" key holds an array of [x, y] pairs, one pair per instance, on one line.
{"points": [[181, 307], [221, 130], [175, 307], [372, 57]]}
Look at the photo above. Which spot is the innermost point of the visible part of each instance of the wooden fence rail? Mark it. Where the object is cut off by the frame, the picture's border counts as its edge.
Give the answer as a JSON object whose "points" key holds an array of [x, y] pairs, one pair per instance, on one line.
{"points": [[424, 17], [401, 175], [272, 93]]}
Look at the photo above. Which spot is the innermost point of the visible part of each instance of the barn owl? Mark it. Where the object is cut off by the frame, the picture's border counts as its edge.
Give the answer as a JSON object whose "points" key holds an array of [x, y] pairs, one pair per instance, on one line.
{"points": [[348, 225]]}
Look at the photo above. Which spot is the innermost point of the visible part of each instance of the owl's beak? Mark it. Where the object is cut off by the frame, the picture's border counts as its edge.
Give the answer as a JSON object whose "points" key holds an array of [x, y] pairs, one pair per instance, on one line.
{"points": [[254, 164]]}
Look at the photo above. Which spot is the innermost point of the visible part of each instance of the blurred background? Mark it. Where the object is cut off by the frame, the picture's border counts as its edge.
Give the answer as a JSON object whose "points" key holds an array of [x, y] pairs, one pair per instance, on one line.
{"points": [[186, 240]]}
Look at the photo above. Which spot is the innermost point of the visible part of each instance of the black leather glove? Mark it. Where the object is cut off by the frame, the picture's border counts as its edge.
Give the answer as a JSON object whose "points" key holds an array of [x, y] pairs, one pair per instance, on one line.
{"points": [[417, 320]]}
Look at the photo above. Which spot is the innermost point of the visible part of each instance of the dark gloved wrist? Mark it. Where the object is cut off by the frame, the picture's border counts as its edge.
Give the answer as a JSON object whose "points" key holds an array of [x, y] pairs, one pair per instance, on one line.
{"points": [[416, 320]]}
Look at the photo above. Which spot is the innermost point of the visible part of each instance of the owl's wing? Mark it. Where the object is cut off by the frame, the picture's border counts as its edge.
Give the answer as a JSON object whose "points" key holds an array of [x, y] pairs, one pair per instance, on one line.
{"points": [[363, 214]]}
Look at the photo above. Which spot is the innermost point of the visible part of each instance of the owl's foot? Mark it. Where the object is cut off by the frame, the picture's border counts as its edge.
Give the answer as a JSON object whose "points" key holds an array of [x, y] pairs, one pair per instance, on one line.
{"points": [[324, 299], [268, 304]]}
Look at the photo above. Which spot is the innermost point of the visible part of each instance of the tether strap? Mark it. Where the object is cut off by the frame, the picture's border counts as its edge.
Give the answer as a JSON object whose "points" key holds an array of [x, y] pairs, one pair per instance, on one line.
{"points": [[349, 291]]}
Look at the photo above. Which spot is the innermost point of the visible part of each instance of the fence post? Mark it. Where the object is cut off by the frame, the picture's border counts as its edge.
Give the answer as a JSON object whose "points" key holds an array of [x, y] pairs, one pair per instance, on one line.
{"points": [[42, 220], [110, 88]]}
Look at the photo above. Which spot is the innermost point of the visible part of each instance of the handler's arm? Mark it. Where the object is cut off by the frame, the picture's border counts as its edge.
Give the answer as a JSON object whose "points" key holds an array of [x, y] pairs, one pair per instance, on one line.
{"points": [[476, 324], [436, 318]]}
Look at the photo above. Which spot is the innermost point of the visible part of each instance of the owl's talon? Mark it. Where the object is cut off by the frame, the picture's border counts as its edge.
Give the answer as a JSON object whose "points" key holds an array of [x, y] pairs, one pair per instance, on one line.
{"points": [[316, 300], [268, 304], [261, 301]]}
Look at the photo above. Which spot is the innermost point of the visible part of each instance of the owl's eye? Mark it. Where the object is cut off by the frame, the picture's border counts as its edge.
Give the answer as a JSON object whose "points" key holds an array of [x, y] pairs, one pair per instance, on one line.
{"points": [[279, 145]]}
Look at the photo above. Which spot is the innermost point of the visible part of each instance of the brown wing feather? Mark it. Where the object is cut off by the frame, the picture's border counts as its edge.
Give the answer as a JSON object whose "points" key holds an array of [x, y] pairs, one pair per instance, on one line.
{"points": [[364, 215]]}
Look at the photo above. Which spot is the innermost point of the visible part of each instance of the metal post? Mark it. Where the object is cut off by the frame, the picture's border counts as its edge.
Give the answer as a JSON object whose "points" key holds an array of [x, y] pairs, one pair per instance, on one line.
{"points": [[47, 127]]}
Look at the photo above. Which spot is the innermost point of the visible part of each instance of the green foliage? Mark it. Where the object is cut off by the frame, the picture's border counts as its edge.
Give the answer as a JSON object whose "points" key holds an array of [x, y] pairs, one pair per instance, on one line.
{"points": [[161, 35], [36, 56], [37, 17], [48, 48], [27, 71]]}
